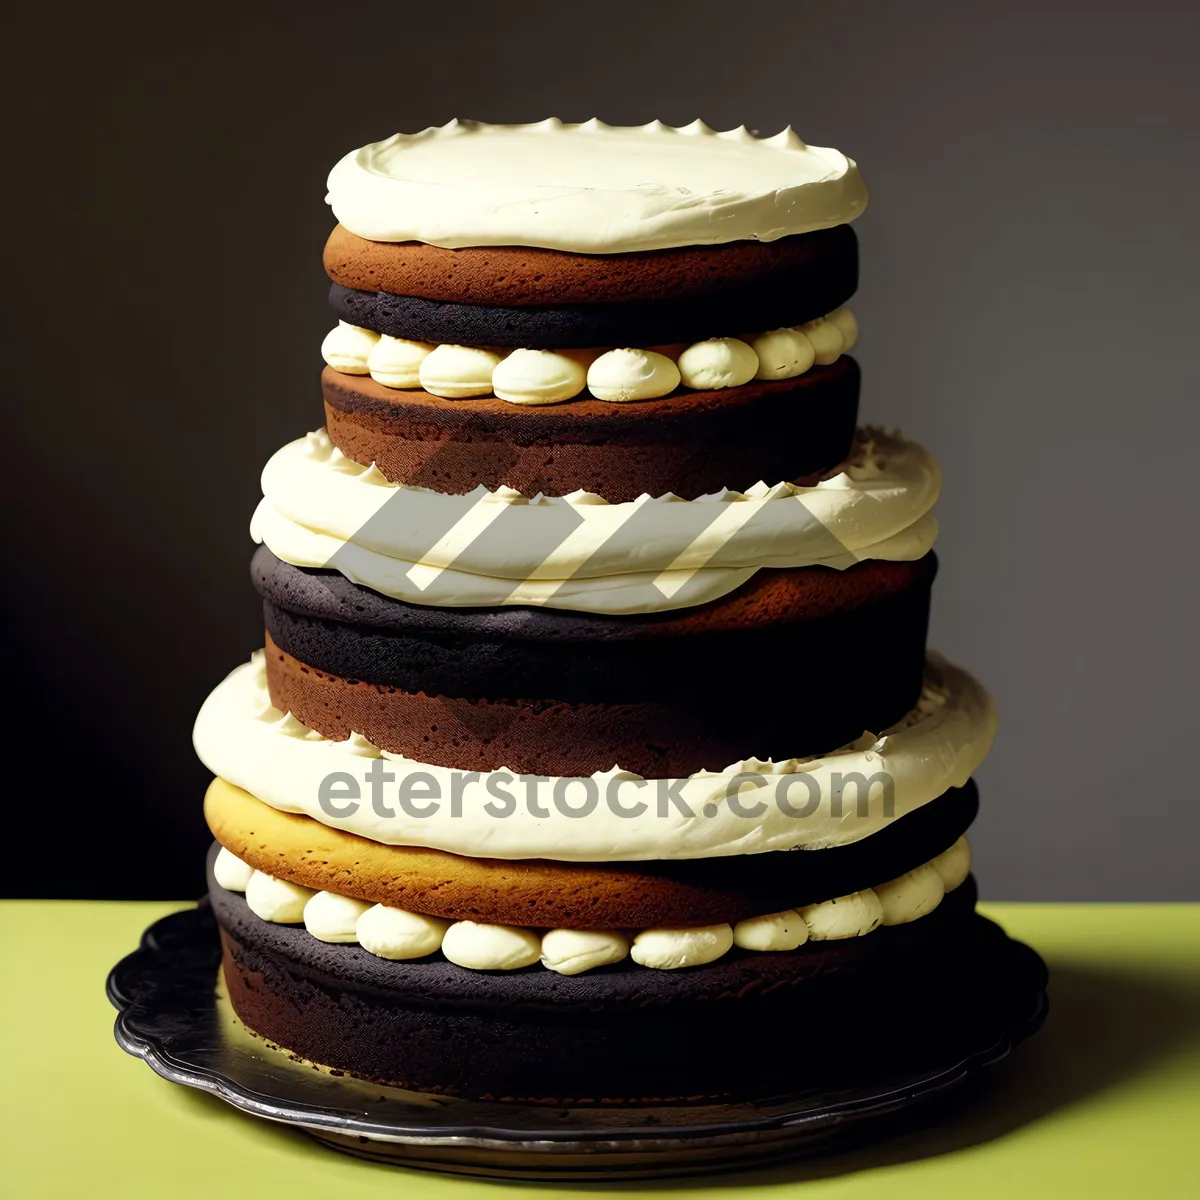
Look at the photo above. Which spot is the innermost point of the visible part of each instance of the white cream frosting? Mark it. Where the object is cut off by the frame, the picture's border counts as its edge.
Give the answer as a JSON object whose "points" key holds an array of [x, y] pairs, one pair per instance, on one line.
{"points": [[573, 951], [458, 372], [230, 872], [748, 808], [539, 377], [617, 375], [954, 864], [591, 188], [718, 363], [347, 348], [826, 339], [911, 896], [396, 934], [276, 899], [670, 949], [776, 931], [491, 947], [321, 509], [850, 916], [847, 325], [333, 918], [783, 353], [627, 374], [395, 362]]}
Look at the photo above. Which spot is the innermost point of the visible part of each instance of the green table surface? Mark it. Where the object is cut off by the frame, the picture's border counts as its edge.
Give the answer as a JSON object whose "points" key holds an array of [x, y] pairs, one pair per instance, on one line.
{"points": [[1105, 1101]]}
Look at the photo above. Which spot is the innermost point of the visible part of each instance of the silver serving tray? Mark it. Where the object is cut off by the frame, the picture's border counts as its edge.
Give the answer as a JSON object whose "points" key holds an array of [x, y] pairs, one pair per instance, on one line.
{"points": [[173, 1013]]}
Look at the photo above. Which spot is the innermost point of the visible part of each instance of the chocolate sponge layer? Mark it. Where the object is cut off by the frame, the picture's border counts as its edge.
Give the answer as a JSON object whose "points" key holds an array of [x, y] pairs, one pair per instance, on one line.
{"points": [[689, 443], [642, 323], [794, 663], [813, 1015]]}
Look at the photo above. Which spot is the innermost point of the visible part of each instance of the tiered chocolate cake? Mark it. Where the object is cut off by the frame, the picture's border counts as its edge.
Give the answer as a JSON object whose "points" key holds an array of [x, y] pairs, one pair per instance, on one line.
{"points": [[594, 753]]}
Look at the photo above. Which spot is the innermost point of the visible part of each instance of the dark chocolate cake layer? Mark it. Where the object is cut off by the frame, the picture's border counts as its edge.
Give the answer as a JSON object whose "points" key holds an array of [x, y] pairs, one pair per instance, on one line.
{"points": [[803, 662], [562, 895], [623, 1032], [689, 443], [769, 597], [642, 323], [818, 265]]}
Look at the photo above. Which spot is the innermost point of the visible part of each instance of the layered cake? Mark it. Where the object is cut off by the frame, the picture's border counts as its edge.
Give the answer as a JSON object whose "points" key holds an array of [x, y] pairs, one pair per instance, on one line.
{"points": [[593, 753]]}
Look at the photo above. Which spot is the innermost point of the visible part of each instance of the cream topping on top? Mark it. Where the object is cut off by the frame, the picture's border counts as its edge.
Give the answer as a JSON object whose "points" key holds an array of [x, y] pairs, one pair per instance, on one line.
{"points": [[748, 807], [321, 509], [591, 188]]}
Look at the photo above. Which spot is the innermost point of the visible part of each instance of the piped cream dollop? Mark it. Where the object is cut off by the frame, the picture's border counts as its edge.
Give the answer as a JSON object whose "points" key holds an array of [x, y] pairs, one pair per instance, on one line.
{"points": [[573, 951], [485, 947], [347, 348], [783, 354], [850, 916], [396, 934], [954, 864], [826, 339], [276, 900], [670, 949], [717, 363], [230, 872], [776, 931], [539, 377], [458, 372], [910, 896], [623, 375], [396, 362], [847, 325], [333, 918]]}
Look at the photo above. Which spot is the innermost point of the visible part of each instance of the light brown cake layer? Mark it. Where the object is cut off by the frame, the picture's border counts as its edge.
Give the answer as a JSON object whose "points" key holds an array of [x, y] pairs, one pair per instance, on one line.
{"points": [[541, 894], [519, 275], [530, 892], [529, 736]]}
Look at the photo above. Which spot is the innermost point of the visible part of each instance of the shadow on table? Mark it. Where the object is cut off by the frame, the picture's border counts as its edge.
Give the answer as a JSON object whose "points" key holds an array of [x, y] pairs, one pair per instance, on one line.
{"points": [[1103, 1028]]}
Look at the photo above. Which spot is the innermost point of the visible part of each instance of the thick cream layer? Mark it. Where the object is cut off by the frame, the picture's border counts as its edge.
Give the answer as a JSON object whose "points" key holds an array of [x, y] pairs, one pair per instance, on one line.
{"points": [[747, 808], [321, 509], [536, 377], [591, 188], [396, 934]]}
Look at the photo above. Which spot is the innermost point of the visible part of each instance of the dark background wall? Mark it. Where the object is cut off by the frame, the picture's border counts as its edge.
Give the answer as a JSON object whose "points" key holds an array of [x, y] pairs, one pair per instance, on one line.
{"points": [[1028, 301]]}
